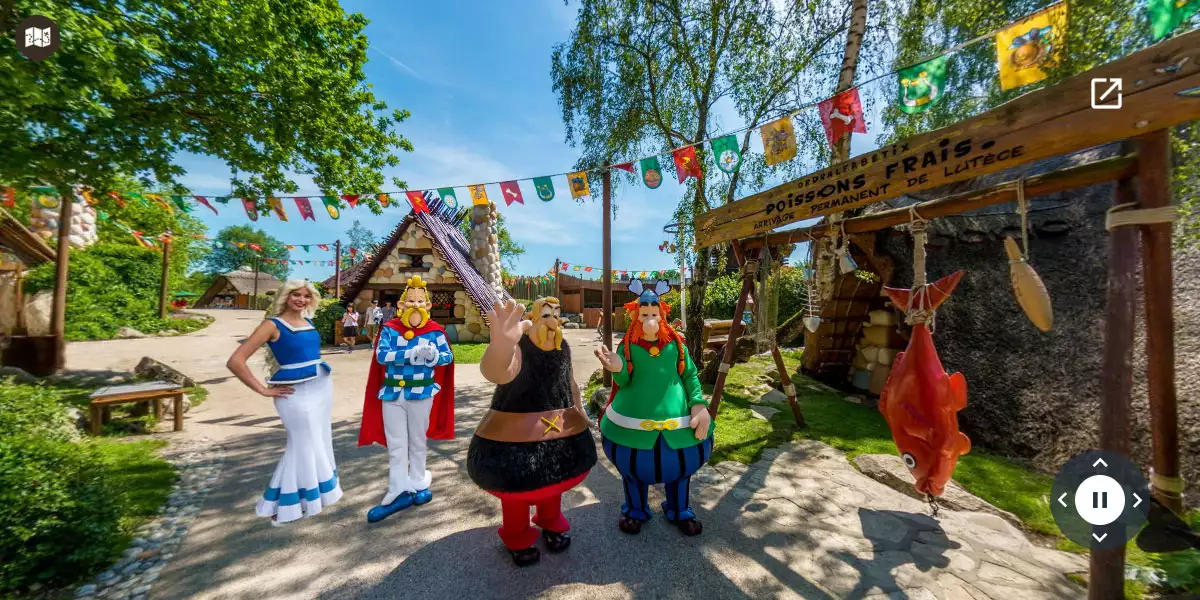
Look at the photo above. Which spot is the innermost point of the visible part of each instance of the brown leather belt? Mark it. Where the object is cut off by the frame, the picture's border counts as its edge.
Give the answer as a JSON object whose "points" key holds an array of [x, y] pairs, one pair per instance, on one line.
{"points": [[500, 426]]}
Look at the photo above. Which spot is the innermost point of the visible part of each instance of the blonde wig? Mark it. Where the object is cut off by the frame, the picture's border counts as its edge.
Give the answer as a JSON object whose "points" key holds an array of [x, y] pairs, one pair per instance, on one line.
{"points": [[281, 297]]}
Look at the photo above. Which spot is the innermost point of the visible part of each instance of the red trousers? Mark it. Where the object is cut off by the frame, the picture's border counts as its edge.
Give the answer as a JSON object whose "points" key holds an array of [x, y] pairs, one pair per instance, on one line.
{"points": [[515, 531]]}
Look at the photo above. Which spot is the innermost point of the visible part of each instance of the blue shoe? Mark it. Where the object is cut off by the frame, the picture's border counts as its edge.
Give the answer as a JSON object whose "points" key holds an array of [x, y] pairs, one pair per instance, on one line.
{"points": [[383, 511], [422, 497]]}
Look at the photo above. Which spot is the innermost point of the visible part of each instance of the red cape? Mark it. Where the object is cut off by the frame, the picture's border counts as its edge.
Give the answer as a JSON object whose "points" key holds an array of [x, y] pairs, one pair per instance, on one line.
{"points": [[441, 419]]}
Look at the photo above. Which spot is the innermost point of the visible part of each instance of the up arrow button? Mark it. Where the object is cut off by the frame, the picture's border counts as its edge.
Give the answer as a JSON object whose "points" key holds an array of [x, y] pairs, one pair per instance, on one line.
{"points": [[1100, 461]]}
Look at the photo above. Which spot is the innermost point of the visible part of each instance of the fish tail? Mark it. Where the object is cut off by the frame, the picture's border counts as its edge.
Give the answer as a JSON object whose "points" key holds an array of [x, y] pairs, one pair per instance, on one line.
{"points": [[931, 296]]}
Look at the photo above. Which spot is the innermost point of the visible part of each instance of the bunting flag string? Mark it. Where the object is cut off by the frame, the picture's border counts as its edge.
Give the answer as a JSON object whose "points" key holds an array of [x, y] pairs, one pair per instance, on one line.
{"points": [[571, 269], [1023, 48]]}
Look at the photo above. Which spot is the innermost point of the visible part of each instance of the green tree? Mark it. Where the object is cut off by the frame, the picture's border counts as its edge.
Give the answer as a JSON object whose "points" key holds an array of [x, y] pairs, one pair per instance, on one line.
{"points": [[227, 256], [642, 77], [270, 88], [361, 240]]}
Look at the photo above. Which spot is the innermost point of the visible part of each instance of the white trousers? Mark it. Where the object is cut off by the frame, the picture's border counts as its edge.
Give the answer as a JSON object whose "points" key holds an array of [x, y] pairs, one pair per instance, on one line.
{"points": [[405, 423]]}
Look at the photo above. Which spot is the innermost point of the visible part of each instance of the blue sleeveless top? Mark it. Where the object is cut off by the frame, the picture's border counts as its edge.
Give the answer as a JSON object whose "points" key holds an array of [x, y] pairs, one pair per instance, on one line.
{"points": [[298, 352]]}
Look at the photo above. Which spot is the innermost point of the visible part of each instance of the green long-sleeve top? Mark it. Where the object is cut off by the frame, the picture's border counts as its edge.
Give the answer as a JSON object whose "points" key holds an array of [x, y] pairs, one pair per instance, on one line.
{"points": [[655, 391]]}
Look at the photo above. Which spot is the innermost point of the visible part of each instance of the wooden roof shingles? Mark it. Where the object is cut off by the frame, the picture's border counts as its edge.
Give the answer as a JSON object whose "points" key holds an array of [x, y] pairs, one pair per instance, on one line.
{"points": [[23, 243], [361, 273]]}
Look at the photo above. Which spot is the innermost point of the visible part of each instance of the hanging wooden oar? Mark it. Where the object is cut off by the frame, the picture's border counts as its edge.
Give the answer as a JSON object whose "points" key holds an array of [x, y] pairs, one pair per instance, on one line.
{"points": [[1027, 286]]}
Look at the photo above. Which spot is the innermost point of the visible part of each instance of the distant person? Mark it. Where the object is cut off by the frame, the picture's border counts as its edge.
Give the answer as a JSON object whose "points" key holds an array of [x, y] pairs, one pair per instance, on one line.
{"points": [[373, 314], [305, 480], [350, 328], [389, 312]]}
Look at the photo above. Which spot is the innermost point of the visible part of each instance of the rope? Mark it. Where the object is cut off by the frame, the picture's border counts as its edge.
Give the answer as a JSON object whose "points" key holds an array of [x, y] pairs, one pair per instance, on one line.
{"points": [[920, 313], [1023, 211], [1121, 215]]}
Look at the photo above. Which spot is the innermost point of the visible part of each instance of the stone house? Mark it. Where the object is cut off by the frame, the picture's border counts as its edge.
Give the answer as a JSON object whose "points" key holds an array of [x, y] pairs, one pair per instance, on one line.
{"points": [[463, 276], [237, 289], [20, 250]]}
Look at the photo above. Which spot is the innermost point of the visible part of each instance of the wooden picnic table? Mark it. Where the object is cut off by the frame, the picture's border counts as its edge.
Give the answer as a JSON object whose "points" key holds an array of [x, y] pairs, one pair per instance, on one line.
{"points": [[149, 391]]}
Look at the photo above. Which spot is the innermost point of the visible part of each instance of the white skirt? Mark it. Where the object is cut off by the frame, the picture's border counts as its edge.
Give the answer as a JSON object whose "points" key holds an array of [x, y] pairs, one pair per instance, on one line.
{"points": [[306, 478]]}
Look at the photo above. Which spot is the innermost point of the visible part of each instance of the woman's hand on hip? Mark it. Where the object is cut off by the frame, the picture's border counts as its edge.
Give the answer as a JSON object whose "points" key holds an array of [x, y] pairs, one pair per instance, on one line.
{"points": [[278, 391]]}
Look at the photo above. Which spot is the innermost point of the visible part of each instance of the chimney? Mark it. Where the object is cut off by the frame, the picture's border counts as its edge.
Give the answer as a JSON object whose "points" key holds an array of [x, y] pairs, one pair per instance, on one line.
{"points": [[485, 245]]}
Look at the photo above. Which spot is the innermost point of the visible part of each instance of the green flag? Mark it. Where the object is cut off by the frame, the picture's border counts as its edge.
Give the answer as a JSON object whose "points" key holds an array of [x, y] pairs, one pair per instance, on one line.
{"points": [[223, 199], [1167, 15], [651, 172], [729, 156], [544, 187], [305, 246], [448, 197], [181, 203], [331, 206], [922, 85]]}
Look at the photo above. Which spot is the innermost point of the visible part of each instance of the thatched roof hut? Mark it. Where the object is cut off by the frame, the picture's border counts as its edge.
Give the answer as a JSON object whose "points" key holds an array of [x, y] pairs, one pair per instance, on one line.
{"points": [[236, 288]]}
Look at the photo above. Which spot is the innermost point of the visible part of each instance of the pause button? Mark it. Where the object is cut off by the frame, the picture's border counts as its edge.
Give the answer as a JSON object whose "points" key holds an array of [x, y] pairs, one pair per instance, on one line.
{"points": [[1099, 500]]}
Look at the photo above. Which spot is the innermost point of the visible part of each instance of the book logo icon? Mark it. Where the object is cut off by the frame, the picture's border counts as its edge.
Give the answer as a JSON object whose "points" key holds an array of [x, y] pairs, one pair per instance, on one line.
{"points": [[37, 38]]}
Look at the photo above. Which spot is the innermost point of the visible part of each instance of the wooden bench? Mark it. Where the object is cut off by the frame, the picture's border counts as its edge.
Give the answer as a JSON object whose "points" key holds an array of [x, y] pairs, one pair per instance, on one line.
{"points": [[150, 391], [716, 333]]}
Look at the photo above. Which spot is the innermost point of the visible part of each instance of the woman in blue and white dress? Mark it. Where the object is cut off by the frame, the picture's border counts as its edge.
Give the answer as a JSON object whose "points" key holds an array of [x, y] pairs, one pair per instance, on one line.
{"points": [[305, 481]]}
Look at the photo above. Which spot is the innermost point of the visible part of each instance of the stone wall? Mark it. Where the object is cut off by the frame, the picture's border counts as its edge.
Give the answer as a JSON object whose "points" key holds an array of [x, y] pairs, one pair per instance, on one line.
{"points": [[485, 245], [397, 267], [44, 221]]}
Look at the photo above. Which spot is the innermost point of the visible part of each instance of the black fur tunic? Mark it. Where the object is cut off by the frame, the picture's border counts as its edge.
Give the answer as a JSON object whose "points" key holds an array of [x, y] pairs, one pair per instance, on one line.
{"points": [[544, 383]]}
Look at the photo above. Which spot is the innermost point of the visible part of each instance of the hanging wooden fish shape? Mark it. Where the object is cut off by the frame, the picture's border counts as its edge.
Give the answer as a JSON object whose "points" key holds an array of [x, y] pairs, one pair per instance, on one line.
{"points": [[921, 401], [1028, 287]]}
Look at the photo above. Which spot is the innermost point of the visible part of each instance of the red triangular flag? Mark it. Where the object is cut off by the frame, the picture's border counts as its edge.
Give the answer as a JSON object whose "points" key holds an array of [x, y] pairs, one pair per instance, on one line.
{"points": [[686, 164], [511, 192], [842, 114], [353, 251], [251, 208], [417, 200], [116, 198], [625, 167], [10, 197], [305, 209], [351, 199], [204, 201], [256, 247], [322, 246]]}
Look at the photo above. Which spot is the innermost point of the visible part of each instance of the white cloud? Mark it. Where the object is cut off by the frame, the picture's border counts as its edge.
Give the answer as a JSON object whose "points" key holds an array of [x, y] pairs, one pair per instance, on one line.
{"points": [[400, 65]]}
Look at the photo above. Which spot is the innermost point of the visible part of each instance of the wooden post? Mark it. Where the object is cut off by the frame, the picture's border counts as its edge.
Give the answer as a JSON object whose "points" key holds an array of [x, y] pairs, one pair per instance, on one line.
{"points": [[1153, 191], [1107, 567], [337, 269], [606, 285], [58, 315], [162, 286], [735, 331], [557, 284]]}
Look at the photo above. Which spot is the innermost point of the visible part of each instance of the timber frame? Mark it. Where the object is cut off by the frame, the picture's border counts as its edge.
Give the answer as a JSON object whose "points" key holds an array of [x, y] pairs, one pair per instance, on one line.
{"points": [[1163, 83]]}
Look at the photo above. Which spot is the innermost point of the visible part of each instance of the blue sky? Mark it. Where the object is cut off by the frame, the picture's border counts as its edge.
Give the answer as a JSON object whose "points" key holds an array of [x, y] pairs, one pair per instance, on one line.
{"points": [[476, 78]]}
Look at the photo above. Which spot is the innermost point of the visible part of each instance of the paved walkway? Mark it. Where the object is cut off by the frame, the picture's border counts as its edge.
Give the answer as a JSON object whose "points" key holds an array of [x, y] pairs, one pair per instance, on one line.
{"points": [[801, 523]]}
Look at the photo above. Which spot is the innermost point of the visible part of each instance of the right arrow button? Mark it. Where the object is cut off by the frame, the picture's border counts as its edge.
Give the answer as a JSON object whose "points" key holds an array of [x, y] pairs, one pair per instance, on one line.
{"points": [[1139, 499]]}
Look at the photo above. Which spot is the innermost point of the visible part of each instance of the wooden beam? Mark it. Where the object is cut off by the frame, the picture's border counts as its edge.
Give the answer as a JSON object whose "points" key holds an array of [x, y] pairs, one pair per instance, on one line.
{"points": [[735, 330], [1107, 567], [606, 285], [1090, 174], [163, 282], [1044, 123], [58, 313], [1154, 190]]}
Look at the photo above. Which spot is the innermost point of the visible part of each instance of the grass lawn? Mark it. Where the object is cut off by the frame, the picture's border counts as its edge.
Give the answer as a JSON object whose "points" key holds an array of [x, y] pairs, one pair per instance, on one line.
{"points": [[145, 477], [855, 430], [468, 353]]}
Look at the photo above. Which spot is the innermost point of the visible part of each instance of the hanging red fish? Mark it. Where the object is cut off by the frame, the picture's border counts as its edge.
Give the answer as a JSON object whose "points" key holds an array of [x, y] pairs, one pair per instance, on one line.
{"points": [[921, 401]]}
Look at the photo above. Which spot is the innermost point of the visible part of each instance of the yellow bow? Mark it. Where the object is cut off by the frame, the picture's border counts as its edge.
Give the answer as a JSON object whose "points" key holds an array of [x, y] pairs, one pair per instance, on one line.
{"points": [[670, 425]]}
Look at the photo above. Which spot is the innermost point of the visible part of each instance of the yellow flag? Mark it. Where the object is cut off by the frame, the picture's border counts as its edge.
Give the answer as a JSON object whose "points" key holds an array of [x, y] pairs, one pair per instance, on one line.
{"points": [[163, 203], [478, 194], [779, 140], [1025, 47], [579, 184]]}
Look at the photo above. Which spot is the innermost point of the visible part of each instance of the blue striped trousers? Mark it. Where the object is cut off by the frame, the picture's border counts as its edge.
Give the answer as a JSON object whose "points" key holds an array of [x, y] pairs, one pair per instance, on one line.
{"points": [[661, 464]]}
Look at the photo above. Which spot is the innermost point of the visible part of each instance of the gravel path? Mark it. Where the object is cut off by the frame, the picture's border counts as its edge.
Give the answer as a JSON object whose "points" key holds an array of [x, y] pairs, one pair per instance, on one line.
{"points": [[800, 523]]}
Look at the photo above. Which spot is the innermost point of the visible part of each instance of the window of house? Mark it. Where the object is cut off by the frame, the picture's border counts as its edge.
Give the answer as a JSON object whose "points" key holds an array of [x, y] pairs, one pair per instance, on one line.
{"points": [[443, 305]]}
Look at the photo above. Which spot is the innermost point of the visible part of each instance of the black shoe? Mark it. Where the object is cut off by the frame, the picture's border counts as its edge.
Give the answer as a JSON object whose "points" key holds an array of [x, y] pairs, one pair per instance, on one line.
{"points": [[526, 557], [630, 525], [690, 527], [556, 542]]}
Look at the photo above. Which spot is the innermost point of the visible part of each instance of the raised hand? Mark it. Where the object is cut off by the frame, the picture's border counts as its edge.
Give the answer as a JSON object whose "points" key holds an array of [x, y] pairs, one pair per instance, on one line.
{"points": [[508, 323], [608, 358]]}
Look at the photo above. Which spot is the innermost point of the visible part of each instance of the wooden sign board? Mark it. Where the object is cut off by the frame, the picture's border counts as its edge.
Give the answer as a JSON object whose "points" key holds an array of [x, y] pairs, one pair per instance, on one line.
{"points": [[1159, 91]]}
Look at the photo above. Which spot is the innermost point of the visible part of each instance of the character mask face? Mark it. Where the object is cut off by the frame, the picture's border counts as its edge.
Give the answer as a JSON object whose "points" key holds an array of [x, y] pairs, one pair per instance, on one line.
{"points": [[651, 319], [547, 324], [416, 308]]}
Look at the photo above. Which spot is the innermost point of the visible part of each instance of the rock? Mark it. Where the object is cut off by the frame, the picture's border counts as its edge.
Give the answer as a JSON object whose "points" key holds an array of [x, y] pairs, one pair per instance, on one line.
{"points": [[570, 326], [773, 396], [854, 399], [773, 375], [474, 327], [37, 313], [86, 590], [128, 333], [708, 355], [763, 412], [167, 332], [17, 375], [890, 471], [169, 406], [598, 400], [152, 369]]}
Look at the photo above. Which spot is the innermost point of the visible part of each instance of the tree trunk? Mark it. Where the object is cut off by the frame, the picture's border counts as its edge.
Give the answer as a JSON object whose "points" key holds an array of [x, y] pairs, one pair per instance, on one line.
{"points": [[694, 326], [824, 257]]}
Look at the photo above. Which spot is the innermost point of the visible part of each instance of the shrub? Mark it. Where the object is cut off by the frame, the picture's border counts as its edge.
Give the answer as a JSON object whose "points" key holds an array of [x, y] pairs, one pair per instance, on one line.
{"points": [[329, 314], [59, 513], [33, 411], [722, 294]]}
